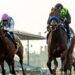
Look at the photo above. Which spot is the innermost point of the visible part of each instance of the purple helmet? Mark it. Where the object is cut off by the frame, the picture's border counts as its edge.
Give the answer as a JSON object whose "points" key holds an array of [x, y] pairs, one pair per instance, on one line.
{"points": [[5, 17]]}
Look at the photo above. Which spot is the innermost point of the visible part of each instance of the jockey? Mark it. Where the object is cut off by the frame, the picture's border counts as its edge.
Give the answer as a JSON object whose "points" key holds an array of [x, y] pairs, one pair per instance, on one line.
{"points": [[64, 16], [56, 21], [7, 23]]}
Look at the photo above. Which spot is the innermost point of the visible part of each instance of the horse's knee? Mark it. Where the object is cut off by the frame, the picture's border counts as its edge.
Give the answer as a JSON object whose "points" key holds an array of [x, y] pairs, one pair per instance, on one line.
{"points": [[3, 72], [74, 68], [20, 61], [48, 63], [55, 62]]}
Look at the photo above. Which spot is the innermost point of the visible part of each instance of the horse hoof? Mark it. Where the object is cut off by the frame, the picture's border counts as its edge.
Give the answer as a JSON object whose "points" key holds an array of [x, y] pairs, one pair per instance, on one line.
{"points": [[24, 73], [54, 72]]}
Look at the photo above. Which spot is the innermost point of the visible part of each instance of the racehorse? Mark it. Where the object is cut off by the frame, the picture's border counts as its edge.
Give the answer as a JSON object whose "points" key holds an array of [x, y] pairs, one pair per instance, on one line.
{"points": [[8, 51], [56, 12], [69, 58], [57, 47], [73, 63]]}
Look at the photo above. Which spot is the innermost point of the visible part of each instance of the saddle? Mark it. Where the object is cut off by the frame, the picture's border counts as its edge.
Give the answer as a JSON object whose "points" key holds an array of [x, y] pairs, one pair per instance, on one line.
{"points": [[12, 39]]}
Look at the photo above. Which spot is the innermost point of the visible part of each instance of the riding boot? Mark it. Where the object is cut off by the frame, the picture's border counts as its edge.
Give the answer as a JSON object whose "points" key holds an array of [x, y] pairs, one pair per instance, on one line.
{"points": [[11, 37], [14, 39], [68, 31], [17, 45], [68, 35], [48, 36]]}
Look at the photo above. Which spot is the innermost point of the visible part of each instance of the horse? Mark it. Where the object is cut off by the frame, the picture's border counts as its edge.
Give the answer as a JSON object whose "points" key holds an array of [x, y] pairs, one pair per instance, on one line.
{"points": [[56, 12], [57, 47], [8, 51], [69, 58], [73, 63]]}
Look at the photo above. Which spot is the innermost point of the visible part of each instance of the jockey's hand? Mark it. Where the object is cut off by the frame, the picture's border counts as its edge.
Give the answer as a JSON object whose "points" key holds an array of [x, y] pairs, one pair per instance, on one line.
{"points": [[5, 31]]}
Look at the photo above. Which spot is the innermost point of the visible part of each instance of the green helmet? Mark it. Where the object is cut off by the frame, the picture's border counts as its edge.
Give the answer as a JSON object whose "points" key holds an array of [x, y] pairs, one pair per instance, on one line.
{"points": [[63, 12]]}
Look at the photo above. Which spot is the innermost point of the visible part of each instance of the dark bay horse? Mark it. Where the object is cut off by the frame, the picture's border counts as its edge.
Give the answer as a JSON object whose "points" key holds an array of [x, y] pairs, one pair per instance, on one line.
{"points": [[57, 47], [73, 63], [69, 58], [8, 51], [62, 45]]}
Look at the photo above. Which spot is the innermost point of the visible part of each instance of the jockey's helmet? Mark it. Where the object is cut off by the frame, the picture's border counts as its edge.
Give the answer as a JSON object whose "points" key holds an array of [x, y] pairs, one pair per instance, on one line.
{"points": [[58, 6], [5, 17], [5, 20], [53, 18]]}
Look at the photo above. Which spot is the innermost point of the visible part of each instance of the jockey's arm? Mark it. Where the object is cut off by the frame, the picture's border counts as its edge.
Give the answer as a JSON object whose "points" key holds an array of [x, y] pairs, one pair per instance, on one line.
{"points": [[68, 18], [9, 29]]}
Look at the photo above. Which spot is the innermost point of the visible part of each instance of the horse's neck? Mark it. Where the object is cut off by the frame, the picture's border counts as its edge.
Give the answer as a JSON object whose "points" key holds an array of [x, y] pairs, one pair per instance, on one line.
{"points": [[6, 43], [2, 34], [59, 36], [3, 41]]}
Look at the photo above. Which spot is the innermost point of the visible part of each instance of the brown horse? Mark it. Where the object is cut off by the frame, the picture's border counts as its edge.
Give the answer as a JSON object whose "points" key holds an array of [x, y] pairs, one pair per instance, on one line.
{"points": [[57, 47], [56, 12], [8, 51], [69, 58], [73, 63]]}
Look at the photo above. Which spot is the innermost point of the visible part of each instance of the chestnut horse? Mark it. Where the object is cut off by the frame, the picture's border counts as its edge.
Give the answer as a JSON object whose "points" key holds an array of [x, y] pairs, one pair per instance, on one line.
{"points": [[57, 47], [69, 59], [73, 63], [61, 44], [8, 51]]}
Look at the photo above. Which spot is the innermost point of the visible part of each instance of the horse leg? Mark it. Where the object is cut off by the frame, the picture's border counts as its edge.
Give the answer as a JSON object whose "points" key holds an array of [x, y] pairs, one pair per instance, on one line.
{"points": [[62, 66], [3, 70], [20, 54], [55, 66], [65, 70], [11, 66], [70, 68], [74, 68], [63, 63], [21, 62], [70, 71], [49, 65]]}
